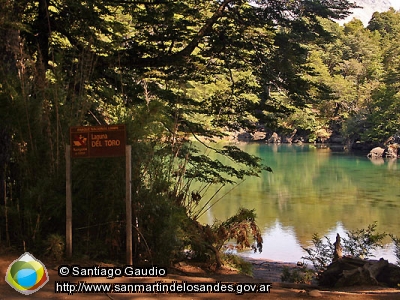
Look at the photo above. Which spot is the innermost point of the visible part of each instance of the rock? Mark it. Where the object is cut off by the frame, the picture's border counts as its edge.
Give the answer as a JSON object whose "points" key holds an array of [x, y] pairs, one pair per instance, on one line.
{"points": [[390, 152], [315, 293], [289, 139], [244, 136], [259, 135], [376, 152], [275, 139], [302, 293], [299, 140]]}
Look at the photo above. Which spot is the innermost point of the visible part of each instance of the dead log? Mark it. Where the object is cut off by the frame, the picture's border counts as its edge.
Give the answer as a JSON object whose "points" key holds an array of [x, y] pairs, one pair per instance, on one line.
{"points": [[375, 269], [390, 275], [351, 271], [335, 270], [365, 275], [337, 254]]}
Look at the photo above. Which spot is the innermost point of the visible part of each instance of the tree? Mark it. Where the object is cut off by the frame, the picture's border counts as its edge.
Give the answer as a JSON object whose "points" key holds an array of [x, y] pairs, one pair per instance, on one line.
{"points": [[350, 73], [383, 119], [142, 63]]}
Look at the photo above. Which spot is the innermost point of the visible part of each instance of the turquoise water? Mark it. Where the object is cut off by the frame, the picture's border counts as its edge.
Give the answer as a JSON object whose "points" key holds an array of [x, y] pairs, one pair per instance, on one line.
{"points": [[314, 190]]}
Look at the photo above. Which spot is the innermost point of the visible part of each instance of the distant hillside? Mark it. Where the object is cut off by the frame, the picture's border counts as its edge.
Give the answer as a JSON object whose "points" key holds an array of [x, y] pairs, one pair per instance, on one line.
{"points": [[368, 8]]}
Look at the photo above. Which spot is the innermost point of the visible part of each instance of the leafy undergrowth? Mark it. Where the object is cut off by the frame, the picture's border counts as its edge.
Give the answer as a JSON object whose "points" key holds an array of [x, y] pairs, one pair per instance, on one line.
{"points": [[238, 263]]}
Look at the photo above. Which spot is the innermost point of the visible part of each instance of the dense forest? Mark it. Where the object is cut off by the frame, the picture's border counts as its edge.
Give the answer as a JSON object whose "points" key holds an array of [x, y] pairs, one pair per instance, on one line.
{"points": [[172, 72], [359, 76]]}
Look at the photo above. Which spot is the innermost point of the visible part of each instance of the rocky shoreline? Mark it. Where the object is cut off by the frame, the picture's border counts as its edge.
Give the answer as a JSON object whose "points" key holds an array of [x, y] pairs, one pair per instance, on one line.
{"points": [[323, 138]]}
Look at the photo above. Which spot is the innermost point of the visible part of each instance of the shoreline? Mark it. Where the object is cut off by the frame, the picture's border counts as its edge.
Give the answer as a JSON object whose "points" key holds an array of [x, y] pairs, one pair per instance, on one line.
{"points": [[269, 270]]}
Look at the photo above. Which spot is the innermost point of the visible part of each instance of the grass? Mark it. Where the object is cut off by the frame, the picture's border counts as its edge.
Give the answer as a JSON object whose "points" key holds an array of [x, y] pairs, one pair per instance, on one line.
{"points": [[237, 262]]}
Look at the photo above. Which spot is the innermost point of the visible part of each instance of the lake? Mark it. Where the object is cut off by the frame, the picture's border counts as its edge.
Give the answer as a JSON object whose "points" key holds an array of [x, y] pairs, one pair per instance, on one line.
{"points": [[313, 189]]}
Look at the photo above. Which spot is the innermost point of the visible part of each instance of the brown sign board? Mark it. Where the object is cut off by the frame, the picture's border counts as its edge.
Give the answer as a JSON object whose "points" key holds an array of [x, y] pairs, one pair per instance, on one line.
{"points": [[97, 141]]}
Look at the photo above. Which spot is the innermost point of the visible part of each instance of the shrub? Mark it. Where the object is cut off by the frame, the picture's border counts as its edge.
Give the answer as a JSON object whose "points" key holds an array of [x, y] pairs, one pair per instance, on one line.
{"points": [[237, 262], [298, 275], [55, 246], [322, 253], [359, 243], [396, 242], [362, 242]]}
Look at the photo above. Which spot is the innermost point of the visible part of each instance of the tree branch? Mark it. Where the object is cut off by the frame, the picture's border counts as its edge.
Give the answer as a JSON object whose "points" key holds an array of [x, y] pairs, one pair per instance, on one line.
{"points": [[181, 56]]}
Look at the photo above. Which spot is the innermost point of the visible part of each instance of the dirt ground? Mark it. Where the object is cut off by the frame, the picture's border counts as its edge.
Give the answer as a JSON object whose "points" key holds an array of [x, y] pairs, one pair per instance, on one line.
{"points": [[264, 272]]}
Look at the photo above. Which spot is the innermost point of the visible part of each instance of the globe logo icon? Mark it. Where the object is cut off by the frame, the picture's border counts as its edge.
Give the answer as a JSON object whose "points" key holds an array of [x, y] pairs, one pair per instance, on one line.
{"points": [[26, 274]]}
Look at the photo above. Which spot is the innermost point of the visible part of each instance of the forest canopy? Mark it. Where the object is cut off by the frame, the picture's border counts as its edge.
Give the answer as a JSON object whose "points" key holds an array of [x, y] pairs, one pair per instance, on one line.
{"points": [[171, 71]]}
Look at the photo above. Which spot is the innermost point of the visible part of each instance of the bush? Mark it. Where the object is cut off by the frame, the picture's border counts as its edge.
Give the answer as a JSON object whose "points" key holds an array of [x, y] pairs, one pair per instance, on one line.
{"points": [[237, 262], [322, 253], [362, 242], [299, 275], [359, 243], [55, 246], [396, 242], [207, 241]]}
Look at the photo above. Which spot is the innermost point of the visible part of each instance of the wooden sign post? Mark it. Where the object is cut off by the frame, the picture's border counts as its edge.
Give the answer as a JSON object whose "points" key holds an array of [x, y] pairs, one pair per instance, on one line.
{"points": [[128, 201], [98, 141], [68, 203]]}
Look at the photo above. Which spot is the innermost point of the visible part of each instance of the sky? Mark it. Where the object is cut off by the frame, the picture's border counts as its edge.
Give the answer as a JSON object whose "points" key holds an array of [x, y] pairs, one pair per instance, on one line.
{"points": [[365, 14], [395, 4]]}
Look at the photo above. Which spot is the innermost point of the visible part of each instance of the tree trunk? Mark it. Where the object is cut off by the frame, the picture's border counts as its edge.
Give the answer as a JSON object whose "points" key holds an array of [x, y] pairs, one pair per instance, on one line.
{"points": [[43, 35], [6, 211]]}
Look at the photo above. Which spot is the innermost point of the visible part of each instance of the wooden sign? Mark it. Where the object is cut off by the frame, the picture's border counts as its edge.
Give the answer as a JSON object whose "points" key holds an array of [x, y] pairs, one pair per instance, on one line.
{"points": [[97, 141]]}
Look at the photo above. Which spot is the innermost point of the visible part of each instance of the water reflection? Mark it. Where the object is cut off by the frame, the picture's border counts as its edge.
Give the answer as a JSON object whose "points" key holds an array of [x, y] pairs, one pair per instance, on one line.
{"points": [[377, 161], [281, 244], [312, 190], [391, 162]]}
